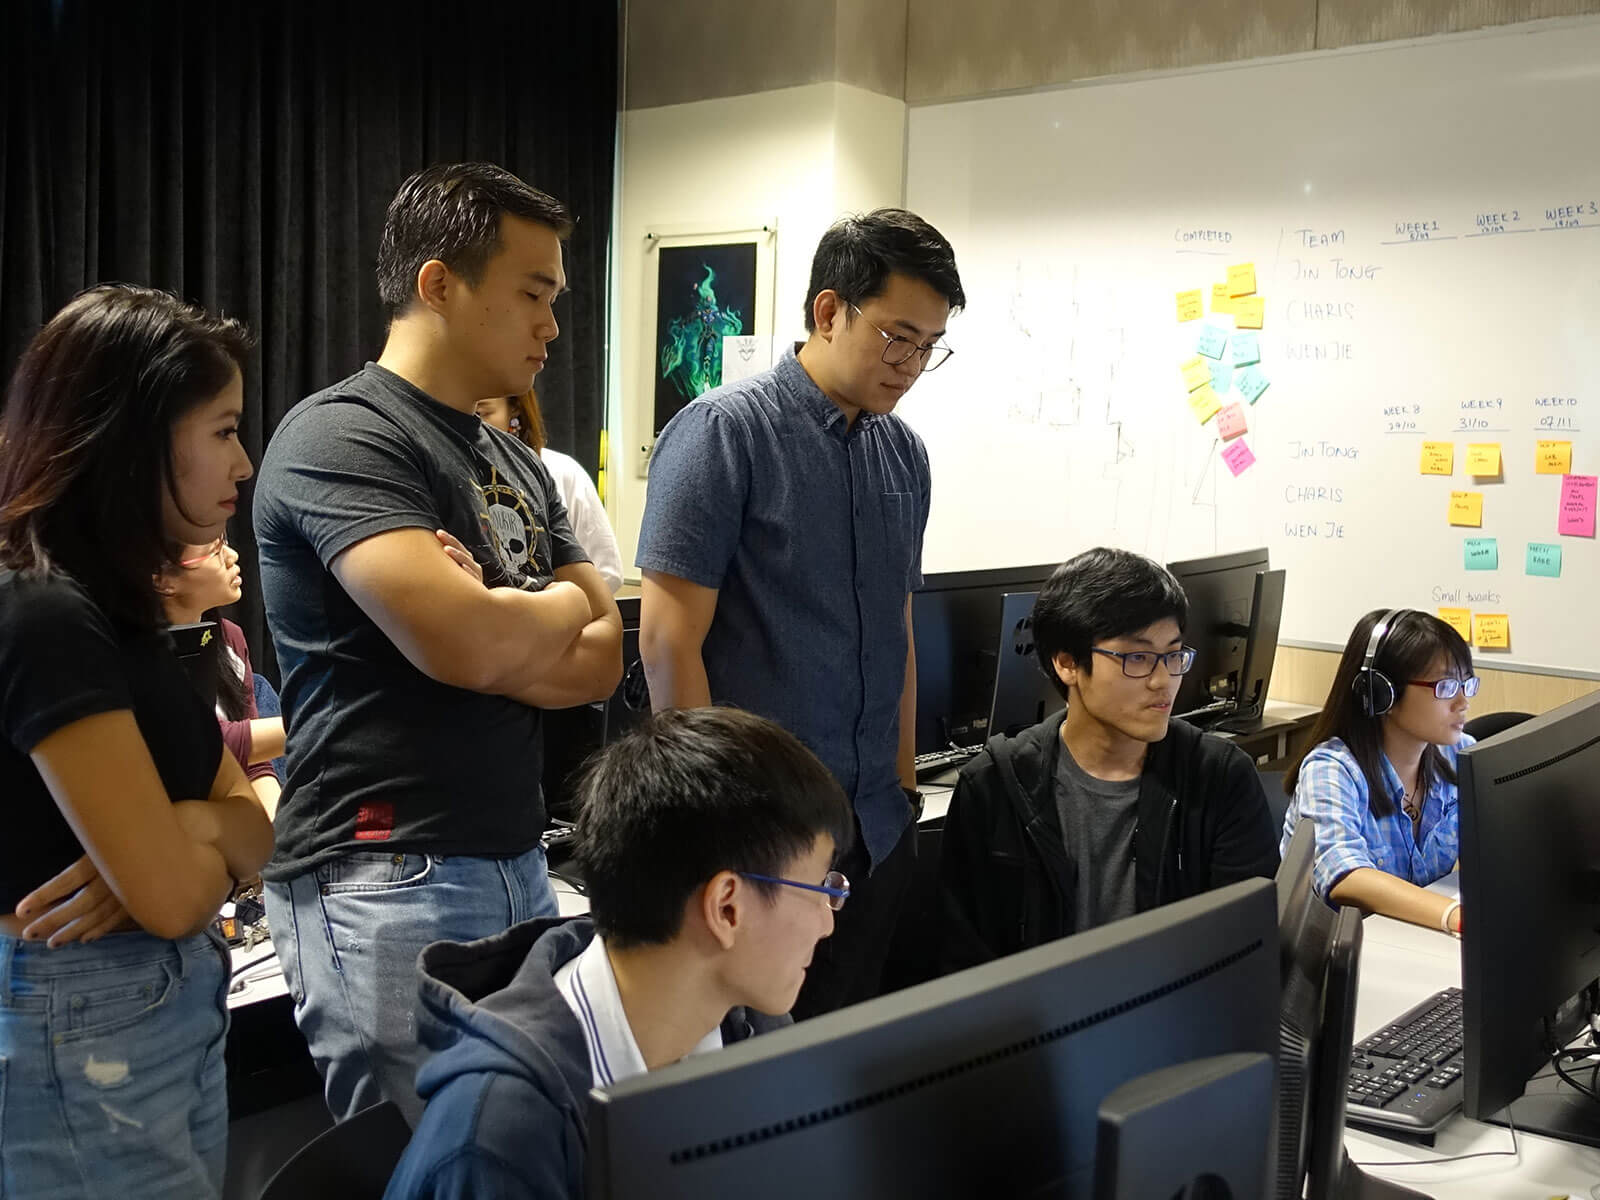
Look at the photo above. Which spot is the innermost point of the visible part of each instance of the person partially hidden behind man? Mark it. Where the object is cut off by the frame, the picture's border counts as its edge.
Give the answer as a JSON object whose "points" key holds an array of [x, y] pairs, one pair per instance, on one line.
{"points": [[706, 838], [1112, 808]]}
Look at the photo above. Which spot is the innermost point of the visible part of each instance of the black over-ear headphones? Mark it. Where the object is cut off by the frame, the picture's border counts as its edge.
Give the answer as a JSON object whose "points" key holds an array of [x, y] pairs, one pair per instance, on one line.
{"points": [[1375, 690]]}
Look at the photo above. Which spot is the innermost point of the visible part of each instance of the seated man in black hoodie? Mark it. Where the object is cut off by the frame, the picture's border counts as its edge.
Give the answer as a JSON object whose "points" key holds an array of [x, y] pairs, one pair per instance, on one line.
{"points": [[1112, 808], [706, 838]]}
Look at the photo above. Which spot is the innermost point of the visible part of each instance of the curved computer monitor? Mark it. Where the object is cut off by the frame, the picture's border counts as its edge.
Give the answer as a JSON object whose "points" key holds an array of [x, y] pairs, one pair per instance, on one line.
{"points": [[984, 1083]]}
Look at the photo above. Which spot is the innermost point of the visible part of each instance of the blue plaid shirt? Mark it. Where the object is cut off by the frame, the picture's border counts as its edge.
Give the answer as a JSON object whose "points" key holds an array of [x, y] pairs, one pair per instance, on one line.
{"points": [[1332, 792]]}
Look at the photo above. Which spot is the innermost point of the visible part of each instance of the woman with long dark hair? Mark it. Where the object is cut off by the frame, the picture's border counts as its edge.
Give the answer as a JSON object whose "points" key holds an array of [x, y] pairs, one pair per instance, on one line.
{"points": [[1379, 783], [125, 825]]}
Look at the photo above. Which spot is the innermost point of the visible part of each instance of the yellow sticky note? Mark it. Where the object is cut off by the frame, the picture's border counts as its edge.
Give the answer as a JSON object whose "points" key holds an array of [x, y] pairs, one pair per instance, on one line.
{"points": [[1483, 459], [1553, 458], [1459, 619], [1492, 631], [1221, 298], [1241, 279], [1466, 508], [1249, 311], [1205, 402], [1438, 458], [1191, 305], [1195, 372]]}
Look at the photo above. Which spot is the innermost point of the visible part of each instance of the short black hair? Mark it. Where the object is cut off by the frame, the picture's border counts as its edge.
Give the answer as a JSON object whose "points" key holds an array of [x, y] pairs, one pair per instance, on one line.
{"points": [[451, 212], [858, 254], [1100, 594], [690, 793]]}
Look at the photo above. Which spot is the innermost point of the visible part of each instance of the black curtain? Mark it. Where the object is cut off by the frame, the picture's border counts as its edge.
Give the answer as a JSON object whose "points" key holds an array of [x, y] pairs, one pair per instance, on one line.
{"points": [[242, 156]]}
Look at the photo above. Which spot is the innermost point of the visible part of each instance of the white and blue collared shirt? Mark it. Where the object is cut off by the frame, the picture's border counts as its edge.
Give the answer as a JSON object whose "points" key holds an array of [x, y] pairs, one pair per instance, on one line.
{"points": [[589, 986], [1331, 792]]}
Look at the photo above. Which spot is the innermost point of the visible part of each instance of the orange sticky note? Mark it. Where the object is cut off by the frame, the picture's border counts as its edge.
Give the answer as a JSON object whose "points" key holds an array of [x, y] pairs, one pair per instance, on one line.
{"points": [[1205, 403], [1553, 458], [1492, 631], [1230, 422], [1195, 372], [1249, 311], [1241, 279], [1191, 305], [1221, 298], [1438, 458], [1459, 619], [1483, 459], [1466, 508]]}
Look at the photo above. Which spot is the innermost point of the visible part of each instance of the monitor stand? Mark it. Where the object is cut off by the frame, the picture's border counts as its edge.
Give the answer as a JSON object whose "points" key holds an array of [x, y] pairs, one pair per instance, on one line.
{"points": [[1552, 1108]]}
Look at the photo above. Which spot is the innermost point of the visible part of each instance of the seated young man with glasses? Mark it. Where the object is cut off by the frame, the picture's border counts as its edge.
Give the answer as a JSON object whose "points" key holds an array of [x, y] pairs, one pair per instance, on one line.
{"points": [[706, 839], [1111, 808]]}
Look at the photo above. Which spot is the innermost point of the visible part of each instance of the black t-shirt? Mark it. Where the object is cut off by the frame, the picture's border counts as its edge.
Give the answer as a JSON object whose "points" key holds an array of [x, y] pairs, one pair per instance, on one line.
{"points": [[380, 755], [61, 660]]}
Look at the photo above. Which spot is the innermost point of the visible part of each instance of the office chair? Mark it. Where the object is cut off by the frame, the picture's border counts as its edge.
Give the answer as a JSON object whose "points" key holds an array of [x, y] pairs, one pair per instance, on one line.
{"points": [[351, 1161], [1490, 724], [1277, 798]]}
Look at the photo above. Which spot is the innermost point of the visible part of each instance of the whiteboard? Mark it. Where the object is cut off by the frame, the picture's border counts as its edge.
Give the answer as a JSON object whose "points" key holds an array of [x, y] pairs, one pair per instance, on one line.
{"points": [[1424, 220]]}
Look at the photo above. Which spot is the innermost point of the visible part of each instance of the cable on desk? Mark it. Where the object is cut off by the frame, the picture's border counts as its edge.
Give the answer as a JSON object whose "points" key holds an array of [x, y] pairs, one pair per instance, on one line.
{"points": [[1514, 1152], [575, 884], [254, 962]]}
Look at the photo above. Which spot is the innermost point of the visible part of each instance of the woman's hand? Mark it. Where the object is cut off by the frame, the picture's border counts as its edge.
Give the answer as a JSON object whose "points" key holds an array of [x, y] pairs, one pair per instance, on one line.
{"points": [[75, 906]]}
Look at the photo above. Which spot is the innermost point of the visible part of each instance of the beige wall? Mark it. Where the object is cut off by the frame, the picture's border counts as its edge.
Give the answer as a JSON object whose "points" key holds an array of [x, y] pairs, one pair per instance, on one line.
{"points": [[1304, 677]]}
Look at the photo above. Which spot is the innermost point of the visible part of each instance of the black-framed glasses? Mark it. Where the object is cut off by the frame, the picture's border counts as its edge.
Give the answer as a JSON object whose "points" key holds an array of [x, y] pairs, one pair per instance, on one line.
{"points": [[898, 350], [1141, 664], [217, 547], [1449, 689], [834, 886]]}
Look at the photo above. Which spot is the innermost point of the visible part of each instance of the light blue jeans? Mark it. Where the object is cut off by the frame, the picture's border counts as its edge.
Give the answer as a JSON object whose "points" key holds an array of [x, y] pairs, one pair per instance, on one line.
{"points": [[112, 1082], [348, 934]]}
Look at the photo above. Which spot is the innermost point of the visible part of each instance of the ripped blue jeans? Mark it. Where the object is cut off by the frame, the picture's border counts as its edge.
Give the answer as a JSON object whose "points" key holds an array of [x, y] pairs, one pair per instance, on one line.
{"points": [[112, 1082]]}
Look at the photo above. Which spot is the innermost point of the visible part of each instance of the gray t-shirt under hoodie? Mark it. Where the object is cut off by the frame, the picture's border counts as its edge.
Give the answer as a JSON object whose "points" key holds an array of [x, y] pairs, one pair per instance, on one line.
{"points": [[1098, 819]]}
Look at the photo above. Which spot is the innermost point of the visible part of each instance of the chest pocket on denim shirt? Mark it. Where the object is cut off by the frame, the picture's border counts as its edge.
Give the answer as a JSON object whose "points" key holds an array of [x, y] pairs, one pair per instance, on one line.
{"points": [[899, 534]]}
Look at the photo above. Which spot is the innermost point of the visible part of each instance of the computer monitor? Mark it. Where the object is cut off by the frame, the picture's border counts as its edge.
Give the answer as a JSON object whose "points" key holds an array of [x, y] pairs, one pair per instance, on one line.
{"points": [[1530, 892], [1260, 651], [987, 1082], [1023, 693], [955, 621], [1221, 591]]}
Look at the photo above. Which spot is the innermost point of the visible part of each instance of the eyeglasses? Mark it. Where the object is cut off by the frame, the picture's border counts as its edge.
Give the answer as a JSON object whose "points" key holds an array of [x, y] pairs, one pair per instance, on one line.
{"points": [[1447, 689], [1141, 664], [834, 886], [217, 547], [898, 350]]}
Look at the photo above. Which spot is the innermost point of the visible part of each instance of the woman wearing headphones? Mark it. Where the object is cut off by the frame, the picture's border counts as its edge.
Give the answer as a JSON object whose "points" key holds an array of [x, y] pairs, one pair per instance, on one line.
{"points": [[1379, 783]]}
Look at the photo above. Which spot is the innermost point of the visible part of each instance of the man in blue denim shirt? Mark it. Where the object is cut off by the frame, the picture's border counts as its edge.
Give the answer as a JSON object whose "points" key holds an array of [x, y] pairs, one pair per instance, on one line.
{"points": [[782, 538]]}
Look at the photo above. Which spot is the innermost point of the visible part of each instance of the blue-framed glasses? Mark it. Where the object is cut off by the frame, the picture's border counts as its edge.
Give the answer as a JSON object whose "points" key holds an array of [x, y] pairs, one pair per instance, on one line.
{"points": [[834, 886], [1141, 664], [1448, 689]]}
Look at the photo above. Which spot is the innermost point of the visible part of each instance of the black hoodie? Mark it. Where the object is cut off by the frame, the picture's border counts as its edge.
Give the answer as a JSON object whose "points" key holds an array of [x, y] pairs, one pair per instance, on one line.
{"points": [[507, 1081], [1006, 879]]}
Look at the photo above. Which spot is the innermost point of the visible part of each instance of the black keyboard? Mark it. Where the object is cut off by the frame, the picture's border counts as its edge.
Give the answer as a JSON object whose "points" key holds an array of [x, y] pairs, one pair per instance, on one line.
{"points": [[937, 761], [1406, 1078]]}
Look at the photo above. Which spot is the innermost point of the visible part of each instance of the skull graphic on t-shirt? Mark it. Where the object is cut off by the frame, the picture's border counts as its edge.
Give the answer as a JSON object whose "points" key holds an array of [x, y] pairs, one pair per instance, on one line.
{"points": [[513, 531]]}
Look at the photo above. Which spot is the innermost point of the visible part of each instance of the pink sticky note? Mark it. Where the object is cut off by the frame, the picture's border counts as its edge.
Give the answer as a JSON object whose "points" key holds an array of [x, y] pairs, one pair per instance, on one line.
{"points": [[1578, 494], [1237, 455], [1230, 423]]}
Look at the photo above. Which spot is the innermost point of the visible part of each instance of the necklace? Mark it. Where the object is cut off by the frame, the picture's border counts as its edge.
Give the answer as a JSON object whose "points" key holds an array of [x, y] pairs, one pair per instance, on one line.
{"points": [[1412, 808]]}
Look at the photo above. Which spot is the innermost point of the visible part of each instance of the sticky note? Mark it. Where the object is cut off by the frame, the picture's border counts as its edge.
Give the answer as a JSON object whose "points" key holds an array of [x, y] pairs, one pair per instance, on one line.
{"points": [[1466, 508], [1221, 376], [1459, 619], [1213, 341], [1195, 372], [1577, 506], [1221, 298], [1491, 631], [1438, 458], [1241, 279], [1191, 305], [1237, 455], [1250, 383], [1544, 558], [1246, 348], [1553, 458], [1249, 311], [1230, 422], [1483, 459], [1481, 554], [1204, 402]]}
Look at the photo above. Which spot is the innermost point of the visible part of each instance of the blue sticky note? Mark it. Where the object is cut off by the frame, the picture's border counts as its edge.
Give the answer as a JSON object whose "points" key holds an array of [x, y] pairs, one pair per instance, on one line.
{"points": [[1221, 376], [1250, 383], [1246, 348], [1481, 554], [1544, 558], [1213, 342]]}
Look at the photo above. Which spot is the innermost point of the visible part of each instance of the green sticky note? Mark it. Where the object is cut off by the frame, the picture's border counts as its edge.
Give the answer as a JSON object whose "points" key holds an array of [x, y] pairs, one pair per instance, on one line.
{"points": [[1482, 554], [1544, 558]]}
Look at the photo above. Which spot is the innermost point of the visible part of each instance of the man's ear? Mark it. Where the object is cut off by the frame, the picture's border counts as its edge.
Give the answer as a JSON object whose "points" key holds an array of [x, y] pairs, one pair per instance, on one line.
{"points": [[433, 284], [827, 313], [1066, 668], [722, 903]]}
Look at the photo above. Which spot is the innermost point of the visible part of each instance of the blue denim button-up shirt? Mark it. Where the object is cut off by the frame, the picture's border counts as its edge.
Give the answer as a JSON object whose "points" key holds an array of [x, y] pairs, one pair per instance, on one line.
{"points": [[811, 530]]}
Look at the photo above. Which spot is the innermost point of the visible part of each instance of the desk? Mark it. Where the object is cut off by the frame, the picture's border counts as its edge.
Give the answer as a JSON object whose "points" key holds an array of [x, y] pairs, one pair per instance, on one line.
{"points": [[1402, 965], [1282, 734]]}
